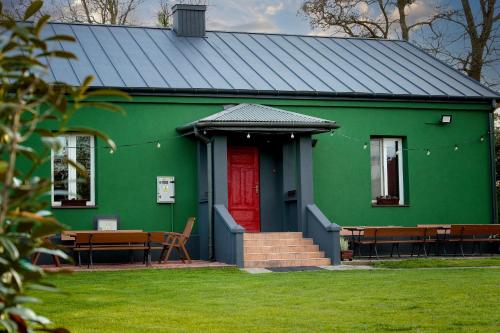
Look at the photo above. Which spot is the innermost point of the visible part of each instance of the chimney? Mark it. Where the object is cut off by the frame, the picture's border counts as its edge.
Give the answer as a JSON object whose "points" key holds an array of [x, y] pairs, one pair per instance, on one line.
{"points": [[189, 20]]}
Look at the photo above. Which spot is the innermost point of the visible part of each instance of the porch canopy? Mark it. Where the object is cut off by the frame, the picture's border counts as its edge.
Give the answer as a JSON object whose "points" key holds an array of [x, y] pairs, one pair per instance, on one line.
{"points": [[256, 118]]}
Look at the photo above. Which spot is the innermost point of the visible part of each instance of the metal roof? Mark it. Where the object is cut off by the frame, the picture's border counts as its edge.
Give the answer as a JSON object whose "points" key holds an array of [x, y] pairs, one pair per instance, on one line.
{"points": [[153, 59], [260, 117]]}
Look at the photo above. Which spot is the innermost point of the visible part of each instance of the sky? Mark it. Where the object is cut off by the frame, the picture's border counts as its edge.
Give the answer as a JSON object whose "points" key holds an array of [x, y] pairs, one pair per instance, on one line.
{"points": [[243, 15]]}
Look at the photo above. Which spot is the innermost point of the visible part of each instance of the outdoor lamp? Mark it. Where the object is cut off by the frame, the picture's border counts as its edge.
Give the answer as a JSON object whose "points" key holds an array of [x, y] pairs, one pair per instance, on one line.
{"points": [[445, 119]]}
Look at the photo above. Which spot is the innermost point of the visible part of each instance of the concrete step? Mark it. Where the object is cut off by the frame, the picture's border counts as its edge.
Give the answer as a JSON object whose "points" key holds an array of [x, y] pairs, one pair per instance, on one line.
{"points": [[287, 262], [284, 255], [280, 248], [277, 242], [272, 235]]}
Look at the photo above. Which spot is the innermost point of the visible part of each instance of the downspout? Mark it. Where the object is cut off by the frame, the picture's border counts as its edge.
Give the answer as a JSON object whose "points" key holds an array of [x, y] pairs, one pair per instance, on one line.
{"points": [[207, 141], [491, 120]]}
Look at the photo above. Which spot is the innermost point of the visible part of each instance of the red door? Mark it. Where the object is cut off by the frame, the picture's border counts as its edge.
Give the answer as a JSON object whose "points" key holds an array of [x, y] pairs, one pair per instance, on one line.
{"points": [[243, 186]]}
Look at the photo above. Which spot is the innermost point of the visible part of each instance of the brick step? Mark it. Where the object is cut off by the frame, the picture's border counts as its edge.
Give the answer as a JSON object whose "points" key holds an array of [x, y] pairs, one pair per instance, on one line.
{"points": [[272, 235], [278, 242], [284, 255], [287, 262], [280, 248]]}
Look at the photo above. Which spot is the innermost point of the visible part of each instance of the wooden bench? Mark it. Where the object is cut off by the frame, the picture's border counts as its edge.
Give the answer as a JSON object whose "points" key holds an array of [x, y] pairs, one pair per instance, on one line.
{"points": [[476, 234], [394, 236], [111, 241]]}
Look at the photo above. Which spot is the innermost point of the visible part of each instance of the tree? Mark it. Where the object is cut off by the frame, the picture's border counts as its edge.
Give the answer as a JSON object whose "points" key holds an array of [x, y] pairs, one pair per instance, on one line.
{"points": [[368, 18], [464, 38], [96, 11], [33, 113], [471, 43], [164, 14]]}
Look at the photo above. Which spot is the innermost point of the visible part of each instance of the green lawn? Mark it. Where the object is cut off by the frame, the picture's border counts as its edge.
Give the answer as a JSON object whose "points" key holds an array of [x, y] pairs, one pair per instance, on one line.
{"points": [[434, 263], [229, 300]]}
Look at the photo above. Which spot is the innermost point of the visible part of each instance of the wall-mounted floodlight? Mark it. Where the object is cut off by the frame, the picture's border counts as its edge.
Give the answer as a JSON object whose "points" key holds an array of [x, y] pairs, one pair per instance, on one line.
{"points": [[445, 119]]}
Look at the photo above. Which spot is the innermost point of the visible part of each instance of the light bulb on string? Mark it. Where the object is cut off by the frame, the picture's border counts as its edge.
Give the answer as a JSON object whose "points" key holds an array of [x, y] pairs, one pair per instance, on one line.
{"points": [[158, 145], [248, 135], [365, 146], [481, 138], [111, 151], [331, 133], [428, 152], [292, 136], [455, 148]]}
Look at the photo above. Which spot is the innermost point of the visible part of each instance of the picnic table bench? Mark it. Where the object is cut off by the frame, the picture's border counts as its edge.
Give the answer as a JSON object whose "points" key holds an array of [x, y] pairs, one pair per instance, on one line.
{"points": [[394, 236], [88, 241], [476, 234]]}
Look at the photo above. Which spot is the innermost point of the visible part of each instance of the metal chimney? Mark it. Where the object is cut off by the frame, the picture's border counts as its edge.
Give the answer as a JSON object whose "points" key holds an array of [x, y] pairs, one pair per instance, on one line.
{"points": [[189, 20]]}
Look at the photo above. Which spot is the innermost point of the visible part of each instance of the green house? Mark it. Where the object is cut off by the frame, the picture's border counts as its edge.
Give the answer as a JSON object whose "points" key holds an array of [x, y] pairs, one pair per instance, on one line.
{"points": [[271, 133]]}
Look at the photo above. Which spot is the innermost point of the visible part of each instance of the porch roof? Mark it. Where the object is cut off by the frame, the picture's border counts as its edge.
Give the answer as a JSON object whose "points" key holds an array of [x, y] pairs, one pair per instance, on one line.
{"points": [[259, 118]]}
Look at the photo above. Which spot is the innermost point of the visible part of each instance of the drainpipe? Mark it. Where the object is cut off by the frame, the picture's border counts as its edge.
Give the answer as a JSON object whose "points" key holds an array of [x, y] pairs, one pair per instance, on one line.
{"points": [[491, 120]]}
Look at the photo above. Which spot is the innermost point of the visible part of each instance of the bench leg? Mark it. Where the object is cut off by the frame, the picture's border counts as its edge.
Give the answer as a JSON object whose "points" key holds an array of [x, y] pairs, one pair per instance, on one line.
{"points": [[376, 252], [91, 260], [392, 248], [412, 249], [397, 250], [79, 258], [371, 250]]}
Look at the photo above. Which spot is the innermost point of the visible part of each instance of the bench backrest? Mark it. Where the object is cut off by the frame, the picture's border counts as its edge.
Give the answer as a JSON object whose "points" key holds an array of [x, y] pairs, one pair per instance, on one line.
{"points": [[82, 238], [458, 230], [188, 228], [395, 232], [157, 237]]}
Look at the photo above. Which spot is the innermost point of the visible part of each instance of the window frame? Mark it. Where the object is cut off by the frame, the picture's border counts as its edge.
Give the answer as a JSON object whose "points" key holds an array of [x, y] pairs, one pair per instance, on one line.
{"points": [[384, 181], [72, 174]]}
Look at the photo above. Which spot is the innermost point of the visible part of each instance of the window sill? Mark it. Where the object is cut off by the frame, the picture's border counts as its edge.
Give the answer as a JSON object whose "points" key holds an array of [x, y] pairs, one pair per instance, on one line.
{"points": [[74, 207], [382, 206]]}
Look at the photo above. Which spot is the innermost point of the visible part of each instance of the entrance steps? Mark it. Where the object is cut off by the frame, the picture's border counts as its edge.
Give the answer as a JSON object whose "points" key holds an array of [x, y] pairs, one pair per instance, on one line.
{"points": [[281, 249]]}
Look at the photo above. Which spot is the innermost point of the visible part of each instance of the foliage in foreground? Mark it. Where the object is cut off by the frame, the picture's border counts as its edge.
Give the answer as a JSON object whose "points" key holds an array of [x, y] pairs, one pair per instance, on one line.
{"points": [[31, 110]]}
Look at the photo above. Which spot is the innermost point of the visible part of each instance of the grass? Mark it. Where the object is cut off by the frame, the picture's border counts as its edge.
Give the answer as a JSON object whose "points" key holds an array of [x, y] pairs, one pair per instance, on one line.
{"points": [[229, 300], [437, 263]]}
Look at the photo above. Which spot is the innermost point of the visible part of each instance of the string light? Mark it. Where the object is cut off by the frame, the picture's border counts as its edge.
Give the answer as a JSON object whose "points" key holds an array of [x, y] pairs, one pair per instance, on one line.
{"points": [[111, 151], [292, 136], [455, 147], [248, 136], [331, 133], [158, 145]]}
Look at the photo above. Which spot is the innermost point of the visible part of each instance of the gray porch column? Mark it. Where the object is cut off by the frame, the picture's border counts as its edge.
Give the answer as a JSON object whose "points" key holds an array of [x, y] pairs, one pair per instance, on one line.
{"points": [[305, 194], [203, 209], [219, 160]]}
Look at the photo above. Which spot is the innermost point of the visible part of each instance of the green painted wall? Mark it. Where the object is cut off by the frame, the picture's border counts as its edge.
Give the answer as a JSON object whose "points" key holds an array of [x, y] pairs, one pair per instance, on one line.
{"points": [[446, 187]]}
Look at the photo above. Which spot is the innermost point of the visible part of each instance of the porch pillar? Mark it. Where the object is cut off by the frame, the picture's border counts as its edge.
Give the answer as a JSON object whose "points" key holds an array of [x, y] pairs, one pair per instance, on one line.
{"points": [[204, 221], [305, 195], [219, 161]]}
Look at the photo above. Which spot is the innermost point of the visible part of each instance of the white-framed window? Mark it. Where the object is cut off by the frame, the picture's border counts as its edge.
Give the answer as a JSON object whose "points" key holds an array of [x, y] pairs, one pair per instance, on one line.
{"points": [[387, 170], [69, 187]]}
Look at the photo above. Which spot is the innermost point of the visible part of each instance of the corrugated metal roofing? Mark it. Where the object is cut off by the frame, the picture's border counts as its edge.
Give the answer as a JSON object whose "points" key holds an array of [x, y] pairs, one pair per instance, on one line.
{"points": [[141, 58], [257, 115]]}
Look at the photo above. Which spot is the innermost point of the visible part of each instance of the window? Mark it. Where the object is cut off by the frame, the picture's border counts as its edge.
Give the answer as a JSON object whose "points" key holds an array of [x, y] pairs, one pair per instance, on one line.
{"points": [[70, 188], [387, 170]]}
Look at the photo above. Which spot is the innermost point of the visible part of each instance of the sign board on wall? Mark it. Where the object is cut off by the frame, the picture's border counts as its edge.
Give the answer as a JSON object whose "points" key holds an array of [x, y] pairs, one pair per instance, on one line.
{"points": [[165, 189]]}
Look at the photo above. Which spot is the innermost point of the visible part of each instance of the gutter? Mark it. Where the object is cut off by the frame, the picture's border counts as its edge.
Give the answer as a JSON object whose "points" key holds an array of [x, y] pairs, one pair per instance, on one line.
{"points": [[194, 127], [211, 92]]}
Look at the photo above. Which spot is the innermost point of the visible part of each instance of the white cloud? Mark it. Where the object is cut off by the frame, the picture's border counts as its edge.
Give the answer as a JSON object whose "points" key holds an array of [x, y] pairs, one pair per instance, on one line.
{"points": [[273, 9]]}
